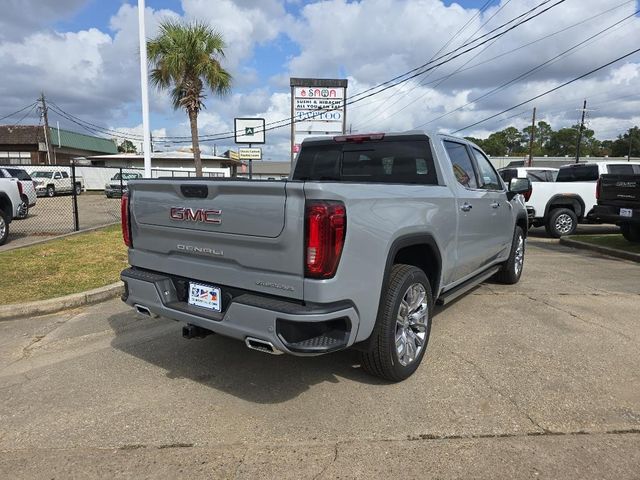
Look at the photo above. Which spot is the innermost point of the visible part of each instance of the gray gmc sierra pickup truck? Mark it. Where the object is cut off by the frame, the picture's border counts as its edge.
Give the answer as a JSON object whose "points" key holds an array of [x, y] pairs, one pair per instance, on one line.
{"points": [[355, 249]]}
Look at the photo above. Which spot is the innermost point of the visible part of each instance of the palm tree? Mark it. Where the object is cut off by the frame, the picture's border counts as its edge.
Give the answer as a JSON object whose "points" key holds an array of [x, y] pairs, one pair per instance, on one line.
{"points": [[186, 57]]}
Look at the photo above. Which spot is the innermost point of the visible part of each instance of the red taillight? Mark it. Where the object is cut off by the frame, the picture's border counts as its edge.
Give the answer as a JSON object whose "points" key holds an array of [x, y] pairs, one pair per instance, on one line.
{"points": [[326, 225], [527, 194], [598, 187], [359, 138], [20, 188], [124, 216]]}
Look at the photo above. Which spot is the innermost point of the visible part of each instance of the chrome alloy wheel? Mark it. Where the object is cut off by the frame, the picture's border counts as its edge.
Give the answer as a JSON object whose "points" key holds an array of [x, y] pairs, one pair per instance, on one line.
{"points": [[564, 224], [519, 258], [3, 227], [411, 324]]}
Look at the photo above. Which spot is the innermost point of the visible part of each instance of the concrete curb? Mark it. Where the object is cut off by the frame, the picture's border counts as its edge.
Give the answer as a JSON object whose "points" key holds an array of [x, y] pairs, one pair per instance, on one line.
{"points": [[634, 257], [52, 305]]}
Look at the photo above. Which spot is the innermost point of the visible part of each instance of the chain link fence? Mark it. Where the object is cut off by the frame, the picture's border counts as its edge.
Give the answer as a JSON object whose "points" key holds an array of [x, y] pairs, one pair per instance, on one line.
{"points": [[64, 199]]}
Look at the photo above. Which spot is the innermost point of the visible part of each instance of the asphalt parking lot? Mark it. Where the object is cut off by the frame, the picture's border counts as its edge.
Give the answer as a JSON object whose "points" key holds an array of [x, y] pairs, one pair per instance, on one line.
{"points": [[537, 380], [54, 216]]}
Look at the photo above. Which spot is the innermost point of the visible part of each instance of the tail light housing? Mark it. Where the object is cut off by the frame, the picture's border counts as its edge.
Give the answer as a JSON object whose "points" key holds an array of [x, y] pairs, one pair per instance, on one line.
{"points": [[598, 187], [325, 229], [125, 219], [527, 194], [20, 190]]}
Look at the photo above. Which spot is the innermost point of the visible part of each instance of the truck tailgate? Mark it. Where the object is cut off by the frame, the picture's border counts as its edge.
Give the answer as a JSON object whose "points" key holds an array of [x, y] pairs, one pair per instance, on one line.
{"points": [[621, 190], [230, 233]]}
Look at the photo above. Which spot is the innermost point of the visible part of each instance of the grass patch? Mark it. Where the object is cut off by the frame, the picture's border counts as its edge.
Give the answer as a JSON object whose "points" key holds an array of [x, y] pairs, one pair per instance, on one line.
{"points": [[68, 265], [616, 241]]}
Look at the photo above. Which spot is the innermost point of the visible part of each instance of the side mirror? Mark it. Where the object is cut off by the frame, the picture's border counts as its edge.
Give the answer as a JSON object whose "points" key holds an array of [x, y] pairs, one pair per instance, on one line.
{"points": [[519, 186]]}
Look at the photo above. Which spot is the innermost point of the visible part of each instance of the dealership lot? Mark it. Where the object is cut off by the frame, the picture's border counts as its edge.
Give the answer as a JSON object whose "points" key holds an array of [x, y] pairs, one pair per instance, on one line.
{"points": [[537, 380], [54, 216]]}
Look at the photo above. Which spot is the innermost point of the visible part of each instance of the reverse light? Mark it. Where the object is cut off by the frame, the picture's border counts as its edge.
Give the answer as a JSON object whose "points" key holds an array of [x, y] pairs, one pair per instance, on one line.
{"points": [[325, 229], [125, 220]]}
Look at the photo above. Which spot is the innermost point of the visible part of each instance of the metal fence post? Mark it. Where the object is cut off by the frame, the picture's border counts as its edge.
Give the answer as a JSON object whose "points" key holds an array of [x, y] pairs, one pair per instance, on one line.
{"points": [[74, 197]]}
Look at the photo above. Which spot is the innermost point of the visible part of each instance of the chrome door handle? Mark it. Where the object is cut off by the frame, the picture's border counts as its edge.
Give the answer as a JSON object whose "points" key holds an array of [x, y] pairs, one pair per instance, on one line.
{"points": [[466, 207], [495, 205]]}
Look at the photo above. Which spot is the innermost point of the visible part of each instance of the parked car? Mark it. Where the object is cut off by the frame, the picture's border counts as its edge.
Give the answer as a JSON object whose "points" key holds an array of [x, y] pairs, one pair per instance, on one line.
{"points": [[559, 206], [52, 182], [28, 193], [10, 204], [118, 184], [354, 250], [619, 203], [535, 174]]}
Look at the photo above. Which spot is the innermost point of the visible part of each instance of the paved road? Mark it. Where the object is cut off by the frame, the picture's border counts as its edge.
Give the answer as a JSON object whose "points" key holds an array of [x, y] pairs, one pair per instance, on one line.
{"points": [[540, 380]]}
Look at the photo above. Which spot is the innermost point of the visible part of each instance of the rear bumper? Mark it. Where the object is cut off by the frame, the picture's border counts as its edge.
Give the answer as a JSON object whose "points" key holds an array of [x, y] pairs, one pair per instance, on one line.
{"points": [[303, 330], [611, 214]]}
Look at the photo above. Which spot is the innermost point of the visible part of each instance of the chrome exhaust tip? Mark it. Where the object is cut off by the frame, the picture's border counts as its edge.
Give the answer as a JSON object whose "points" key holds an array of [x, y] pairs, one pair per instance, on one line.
{"points": [[141, 309], [261, 346]]}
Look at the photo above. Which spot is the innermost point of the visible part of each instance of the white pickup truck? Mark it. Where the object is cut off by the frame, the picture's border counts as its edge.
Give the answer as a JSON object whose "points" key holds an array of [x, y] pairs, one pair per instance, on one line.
{"points": [[10, 205], [559, 206], [52, 182]]}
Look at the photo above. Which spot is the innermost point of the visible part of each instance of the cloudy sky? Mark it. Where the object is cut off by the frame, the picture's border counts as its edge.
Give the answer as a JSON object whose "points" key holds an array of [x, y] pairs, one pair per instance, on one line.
{"points": [[83, 54]]}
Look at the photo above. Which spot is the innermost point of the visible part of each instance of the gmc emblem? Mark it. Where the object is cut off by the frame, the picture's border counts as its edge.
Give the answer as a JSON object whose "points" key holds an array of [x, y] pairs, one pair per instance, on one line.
{"points": [[202, 215]]}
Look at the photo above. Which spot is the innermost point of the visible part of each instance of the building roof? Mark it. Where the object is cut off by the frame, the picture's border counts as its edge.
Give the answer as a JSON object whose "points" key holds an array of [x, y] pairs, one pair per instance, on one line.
{"points": [[173, 155], [33, 135]]}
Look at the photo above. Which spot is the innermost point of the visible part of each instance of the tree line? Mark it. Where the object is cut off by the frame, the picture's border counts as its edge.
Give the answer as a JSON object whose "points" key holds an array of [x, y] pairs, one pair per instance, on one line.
{"points": [[558, 143]]}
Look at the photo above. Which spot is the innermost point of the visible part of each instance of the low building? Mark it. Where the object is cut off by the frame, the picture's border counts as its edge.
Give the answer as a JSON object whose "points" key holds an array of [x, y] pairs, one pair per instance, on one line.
{"points": [[265, 170], [27, 145], [176, 160]]}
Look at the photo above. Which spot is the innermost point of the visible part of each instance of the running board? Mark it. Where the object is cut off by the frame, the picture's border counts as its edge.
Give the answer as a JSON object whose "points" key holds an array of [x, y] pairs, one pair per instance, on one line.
{"points": [[448, 297]]}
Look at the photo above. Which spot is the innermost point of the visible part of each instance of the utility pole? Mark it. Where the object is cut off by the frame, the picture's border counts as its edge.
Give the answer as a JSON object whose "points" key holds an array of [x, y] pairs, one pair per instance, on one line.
{"points": [[47, 140], [584, 110], [532, 137]]}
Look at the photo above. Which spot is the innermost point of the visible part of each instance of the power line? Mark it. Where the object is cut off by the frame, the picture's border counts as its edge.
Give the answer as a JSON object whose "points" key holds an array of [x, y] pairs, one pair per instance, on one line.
{"points": [[460, 30], [291, 120], [368, 93], [530, 71], [441, 79], [573, 80], [19, 111], [413, 73]]}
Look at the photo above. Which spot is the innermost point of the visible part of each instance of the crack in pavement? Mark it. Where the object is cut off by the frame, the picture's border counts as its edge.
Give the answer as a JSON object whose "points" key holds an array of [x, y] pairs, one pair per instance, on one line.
{"points": [[427, 437], [575, 315], [326, 467], [497, 390]]}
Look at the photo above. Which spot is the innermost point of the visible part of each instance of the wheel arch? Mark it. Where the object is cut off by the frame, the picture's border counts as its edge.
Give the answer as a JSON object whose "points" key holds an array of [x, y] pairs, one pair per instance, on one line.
{"points": [[6, 205], [418, 249], [564, 200]]}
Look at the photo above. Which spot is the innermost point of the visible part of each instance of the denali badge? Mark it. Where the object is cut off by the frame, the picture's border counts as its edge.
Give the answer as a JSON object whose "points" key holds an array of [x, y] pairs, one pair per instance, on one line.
{"points": [[202, 215], [208, 251]]}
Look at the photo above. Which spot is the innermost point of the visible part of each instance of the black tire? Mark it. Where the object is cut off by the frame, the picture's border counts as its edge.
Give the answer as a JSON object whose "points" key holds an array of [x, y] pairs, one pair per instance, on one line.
{"points": [[4, 227], [631, 232], [24, 213], [382, 359], [561, 222], [78, 188], [509, 274], [51, 191]]}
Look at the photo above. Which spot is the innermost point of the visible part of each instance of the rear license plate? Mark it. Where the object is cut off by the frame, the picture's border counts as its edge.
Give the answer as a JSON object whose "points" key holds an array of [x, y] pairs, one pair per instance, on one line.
{"points": [[204, 296], [626, 212]]}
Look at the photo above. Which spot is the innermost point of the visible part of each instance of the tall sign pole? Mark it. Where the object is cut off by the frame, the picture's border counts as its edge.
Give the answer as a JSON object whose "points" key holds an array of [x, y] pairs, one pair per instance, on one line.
{"points": [[144, 90]]}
